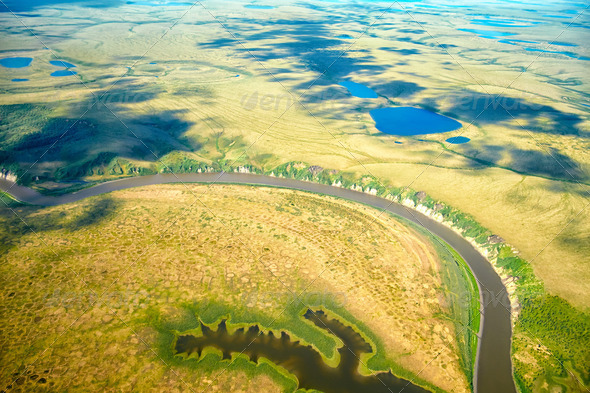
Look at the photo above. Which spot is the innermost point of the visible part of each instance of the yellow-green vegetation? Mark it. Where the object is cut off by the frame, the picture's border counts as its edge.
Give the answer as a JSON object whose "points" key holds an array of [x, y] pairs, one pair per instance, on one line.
{"points": [[73, 304]]}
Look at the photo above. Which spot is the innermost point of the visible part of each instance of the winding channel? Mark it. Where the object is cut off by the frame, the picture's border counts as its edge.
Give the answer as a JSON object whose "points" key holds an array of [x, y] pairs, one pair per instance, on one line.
{"points": [[493, 369]]}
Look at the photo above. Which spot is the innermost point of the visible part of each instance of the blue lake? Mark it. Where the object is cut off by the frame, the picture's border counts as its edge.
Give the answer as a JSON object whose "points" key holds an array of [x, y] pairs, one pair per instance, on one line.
{"points": [[411, 121], [16, 62], [458, 140], [488, 33], [344, 37], [19, 80], [61, 63], [63, 73], [259, 7], [359, 90]]}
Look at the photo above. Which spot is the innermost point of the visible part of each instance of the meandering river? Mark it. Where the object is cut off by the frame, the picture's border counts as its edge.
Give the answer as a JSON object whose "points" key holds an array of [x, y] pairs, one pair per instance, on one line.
{"points": [[493, 370]]}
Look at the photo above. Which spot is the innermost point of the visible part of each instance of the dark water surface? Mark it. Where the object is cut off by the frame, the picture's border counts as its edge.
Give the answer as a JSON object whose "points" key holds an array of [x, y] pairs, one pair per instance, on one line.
{"points": [[493, 369], [303, 361]]}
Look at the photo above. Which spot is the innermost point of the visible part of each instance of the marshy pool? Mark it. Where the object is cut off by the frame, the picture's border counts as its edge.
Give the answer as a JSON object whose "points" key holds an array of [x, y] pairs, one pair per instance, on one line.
{"points": [[16, 62], [303, 361], [358, 89], [408, 120]]}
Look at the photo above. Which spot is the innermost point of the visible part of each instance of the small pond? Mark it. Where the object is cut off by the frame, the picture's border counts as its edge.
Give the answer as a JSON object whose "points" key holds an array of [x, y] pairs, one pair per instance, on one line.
{"points": [[458, 140], [19, 80], [412, 121], [359, 90], [61, 63], [16, 62], [63, 73]]}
